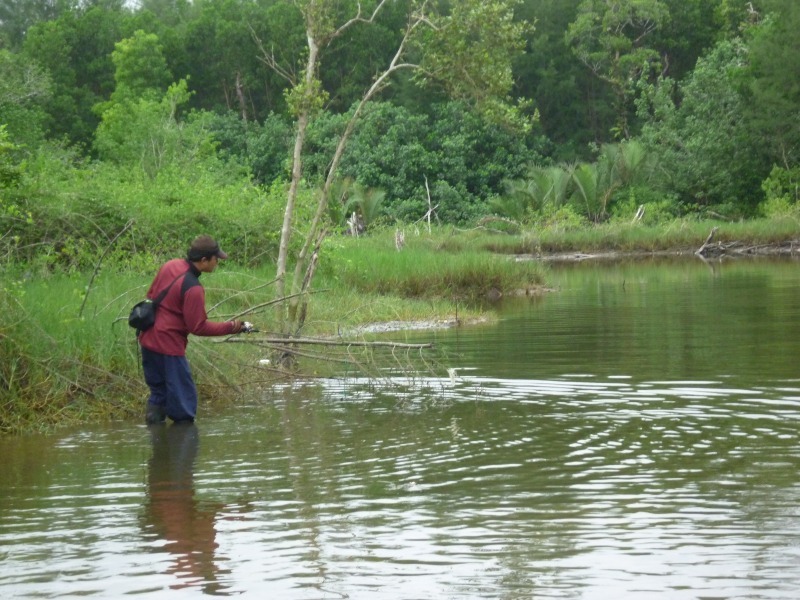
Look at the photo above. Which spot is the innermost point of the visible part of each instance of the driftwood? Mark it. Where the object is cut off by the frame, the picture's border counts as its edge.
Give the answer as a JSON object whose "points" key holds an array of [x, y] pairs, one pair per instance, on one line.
{"points": [[364, 355], [703, 250], [267, 341], [738, 248]]}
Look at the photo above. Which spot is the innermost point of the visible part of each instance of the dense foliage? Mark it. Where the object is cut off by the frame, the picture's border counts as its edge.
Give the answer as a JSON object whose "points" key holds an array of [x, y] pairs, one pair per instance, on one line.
{"points": [[167, 113]]}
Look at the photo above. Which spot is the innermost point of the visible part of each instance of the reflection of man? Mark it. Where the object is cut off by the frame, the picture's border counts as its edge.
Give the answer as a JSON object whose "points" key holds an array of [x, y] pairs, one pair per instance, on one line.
{"points": [[175, 515]]}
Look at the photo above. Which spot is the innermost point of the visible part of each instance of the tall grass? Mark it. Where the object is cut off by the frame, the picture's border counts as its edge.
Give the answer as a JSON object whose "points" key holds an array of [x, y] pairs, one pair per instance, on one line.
{"points": [[429, 267], [67, 358], [682, 235]]}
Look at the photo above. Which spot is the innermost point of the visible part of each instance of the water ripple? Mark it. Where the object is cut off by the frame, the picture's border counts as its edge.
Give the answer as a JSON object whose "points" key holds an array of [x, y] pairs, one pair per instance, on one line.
{"points": [[470, 487]]}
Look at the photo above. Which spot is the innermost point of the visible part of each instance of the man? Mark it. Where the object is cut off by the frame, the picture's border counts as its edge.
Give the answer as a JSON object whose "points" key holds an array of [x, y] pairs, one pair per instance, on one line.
{"points": [[181, 312]]}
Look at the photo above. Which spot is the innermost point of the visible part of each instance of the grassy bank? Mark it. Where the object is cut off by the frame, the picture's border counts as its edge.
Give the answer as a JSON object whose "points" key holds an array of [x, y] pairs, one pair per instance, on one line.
{"points": [[683, 235], [67, 355]]}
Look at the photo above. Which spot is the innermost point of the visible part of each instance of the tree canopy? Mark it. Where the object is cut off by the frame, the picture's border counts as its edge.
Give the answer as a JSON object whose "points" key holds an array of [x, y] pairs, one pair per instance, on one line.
{"points": [[468, 96]]}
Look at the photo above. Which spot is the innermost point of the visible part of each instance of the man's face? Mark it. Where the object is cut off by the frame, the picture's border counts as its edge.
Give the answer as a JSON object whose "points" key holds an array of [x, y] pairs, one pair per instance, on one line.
{"points": [[207, 265]]}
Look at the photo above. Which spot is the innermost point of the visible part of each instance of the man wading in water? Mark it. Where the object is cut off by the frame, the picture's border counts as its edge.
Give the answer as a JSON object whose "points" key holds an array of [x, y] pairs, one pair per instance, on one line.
{"points": [[181, 312]]}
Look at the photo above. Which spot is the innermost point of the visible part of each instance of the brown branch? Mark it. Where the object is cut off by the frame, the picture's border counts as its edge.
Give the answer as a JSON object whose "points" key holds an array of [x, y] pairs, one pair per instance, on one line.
{"points": [[323, 342], [99, 262], [702, 250]]}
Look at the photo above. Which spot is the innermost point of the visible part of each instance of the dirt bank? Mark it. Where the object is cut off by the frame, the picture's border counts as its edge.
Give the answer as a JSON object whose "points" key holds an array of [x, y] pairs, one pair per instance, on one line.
{"points": [[710, 249]]}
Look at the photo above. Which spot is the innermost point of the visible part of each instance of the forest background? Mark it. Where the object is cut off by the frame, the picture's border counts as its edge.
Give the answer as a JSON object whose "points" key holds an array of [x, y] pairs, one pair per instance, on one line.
{"points": [[128, 127], [166, 112]]}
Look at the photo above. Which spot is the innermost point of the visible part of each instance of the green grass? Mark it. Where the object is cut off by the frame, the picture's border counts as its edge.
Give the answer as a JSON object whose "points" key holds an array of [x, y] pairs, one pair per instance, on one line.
{"points": [[63, 361], [428, 267], [680, 235], [67, 358]]}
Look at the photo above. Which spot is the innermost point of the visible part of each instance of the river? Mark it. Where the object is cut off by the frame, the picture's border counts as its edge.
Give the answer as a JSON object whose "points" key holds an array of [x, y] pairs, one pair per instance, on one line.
{"points": [[634, 434]]}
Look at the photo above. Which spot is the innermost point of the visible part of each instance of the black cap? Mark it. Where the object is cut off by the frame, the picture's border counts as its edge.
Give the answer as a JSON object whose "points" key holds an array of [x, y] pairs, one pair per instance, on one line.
{"points": [[204, 246]]}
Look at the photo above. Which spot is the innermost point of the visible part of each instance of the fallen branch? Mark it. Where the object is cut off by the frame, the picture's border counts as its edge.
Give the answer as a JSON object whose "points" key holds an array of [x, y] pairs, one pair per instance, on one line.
{"points": [[322, 342], [702, 250]]}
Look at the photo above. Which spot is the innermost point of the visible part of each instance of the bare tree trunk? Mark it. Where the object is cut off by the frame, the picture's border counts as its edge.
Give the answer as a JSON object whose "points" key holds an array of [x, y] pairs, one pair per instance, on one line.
{"points": [[322, 204], [240, 96], [297, 174]]}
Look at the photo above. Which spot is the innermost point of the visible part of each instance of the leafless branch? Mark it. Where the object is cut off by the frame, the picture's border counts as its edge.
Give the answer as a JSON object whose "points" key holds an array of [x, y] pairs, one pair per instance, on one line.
{"points": [[99, 262], [357, 19], [269, 59]]}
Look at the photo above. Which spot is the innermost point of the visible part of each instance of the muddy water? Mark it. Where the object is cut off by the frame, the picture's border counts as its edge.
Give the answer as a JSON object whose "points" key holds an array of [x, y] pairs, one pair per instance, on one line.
{"points": [[634, 435]]}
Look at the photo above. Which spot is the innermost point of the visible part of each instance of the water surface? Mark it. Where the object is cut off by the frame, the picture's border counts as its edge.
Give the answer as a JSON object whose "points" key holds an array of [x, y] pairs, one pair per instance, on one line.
{"points": [[633, 435]]}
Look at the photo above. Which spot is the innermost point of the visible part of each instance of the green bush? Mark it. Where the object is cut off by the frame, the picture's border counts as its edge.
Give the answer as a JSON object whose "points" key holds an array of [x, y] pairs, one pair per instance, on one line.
{"points": [[76, 209], [781, 191]]}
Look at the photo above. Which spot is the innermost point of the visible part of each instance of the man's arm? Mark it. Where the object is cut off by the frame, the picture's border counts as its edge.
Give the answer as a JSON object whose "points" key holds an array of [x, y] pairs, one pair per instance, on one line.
{"points": [[194, 315]]}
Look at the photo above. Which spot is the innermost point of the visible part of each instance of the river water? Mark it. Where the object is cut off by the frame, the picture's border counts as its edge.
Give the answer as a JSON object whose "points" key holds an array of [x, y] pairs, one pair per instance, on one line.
{"points": [[634, 434]]}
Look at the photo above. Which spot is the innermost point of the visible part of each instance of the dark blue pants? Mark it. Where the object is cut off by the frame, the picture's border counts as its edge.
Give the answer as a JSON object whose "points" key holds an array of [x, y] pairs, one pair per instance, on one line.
{"points": [[171, 386]]}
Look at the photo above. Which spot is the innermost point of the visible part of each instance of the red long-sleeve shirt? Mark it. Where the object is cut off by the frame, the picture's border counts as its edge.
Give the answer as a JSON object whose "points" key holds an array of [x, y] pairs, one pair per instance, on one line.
{"points": [[181, 312]]}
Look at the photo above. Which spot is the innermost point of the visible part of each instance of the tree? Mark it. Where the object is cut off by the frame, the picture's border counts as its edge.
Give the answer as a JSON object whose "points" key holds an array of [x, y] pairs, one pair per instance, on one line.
{"points": [[140, 68], [772, 91], [18, 16], [169, 12], [610, 37], [691, 32], [139, 124], [463, 156], [576, 108], [75, 49], [24, 87], [220, 56], [467, 50], [701, 139]]}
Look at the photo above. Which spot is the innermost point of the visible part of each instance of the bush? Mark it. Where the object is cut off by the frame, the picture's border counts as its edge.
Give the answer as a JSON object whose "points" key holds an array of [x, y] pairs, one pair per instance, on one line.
{"points": [[76, 209], [463, 159], [658, 209], [781, 191]]}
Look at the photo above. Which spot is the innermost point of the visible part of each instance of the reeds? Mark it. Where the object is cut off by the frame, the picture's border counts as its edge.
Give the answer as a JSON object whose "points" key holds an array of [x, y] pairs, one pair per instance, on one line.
{"points": [[67, 358], [681, 235], [429, 268], [67, 355]]}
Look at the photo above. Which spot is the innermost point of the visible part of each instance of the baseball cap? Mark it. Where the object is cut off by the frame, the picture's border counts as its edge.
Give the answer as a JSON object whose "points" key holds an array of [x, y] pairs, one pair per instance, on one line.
{"points": [[204, 246]]}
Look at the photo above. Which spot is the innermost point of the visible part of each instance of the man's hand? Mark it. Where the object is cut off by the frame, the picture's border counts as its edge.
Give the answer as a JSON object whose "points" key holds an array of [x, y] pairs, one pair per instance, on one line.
{"points": [[243, 327]]}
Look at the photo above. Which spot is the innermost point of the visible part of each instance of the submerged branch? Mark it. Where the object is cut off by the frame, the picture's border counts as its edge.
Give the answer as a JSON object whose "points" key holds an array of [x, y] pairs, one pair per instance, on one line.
{"points": [[266, 341]]}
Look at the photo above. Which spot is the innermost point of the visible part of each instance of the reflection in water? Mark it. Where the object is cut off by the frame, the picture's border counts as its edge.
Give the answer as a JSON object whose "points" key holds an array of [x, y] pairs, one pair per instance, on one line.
{"points": [[175, 515], [634, 436]]}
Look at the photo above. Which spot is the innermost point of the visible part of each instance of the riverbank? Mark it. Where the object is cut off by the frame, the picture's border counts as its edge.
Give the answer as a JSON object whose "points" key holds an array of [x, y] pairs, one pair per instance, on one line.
{"points": [[678, 236], [67, 355], [790, 248]]}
